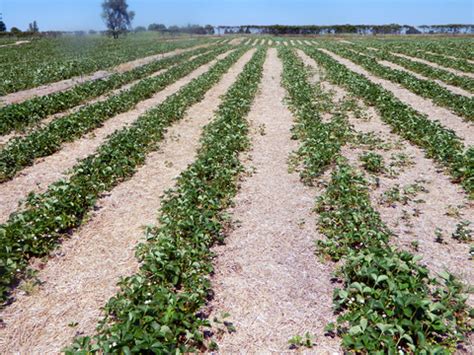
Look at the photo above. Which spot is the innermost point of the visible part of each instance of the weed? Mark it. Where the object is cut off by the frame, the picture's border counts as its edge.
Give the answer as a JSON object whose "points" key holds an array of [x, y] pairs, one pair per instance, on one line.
{"points": [[463, 233], [373, 162]]}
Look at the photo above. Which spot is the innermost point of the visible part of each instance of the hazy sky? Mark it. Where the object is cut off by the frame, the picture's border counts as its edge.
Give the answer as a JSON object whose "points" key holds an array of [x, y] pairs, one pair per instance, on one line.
{"points": [[84, 14]]}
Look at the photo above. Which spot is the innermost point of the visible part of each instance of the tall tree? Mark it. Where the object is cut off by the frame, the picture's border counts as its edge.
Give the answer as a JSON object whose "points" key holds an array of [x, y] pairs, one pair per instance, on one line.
{"points": [[33, 27], [116, 16], [3, 27]]}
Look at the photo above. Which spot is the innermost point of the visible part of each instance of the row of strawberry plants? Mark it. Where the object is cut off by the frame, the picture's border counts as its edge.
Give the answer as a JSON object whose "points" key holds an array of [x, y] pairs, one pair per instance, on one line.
{"points": [[459, 64], [307, 103], [439, 143], [158, 309], [36, 229], [22, 151], [49, 60], [21, 115], [458, 48], [459, 104], [429, 71], [388, 303]]}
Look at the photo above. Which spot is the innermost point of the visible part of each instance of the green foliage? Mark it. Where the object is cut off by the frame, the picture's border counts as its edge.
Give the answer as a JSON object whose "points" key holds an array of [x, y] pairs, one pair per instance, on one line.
{"points": [[21, 152], [157, 309], [463, 233], [299, 341], [429, 71], [47, 60], [459, 104], [439, 143], [21, 115], [402, 195], [455, 63], [373, 162], [321, 142], [389, 303], [36, 230], [116, 16]]}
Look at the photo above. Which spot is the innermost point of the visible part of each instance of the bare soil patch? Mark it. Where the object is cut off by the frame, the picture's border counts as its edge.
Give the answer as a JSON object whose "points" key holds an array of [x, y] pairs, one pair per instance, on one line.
{"points": [[267, 276], [17, 43], [236, 41], [83, 275]]}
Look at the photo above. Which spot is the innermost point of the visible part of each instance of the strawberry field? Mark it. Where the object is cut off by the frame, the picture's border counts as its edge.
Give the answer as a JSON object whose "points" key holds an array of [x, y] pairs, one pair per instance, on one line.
{"points": [[237, 194]]}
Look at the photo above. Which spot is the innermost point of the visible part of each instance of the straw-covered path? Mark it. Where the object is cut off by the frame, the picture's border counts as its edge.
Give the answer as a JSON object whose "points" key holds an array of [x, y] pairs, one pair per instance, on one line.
{"points": [[267, 275]]}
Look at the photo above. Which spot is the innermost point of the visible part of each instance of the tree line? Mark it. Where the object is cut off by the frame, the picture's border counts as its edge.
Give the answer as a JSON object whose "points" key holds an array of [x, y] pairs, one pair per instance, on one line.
{"points": [[118, 20], [348, 29]]}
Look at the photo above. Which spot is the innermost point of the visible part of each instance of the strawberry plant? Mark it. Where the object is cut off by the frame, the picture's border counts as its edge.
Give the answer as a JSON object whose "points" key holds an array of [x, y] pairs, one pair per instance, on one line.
{"points": [[463, 82], [439, 143], [47, 60], [459, 64], [21, 152], [320, 141], [373, 162], [21, 115], [388, 303], [36, 230], [158, 309], [459, 104]]}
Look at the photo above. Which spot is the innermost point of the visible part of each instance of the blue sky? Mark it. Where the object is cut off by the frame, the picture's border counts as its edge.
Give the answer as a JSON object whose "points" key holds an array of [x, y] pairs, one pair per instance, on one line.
{"points": [[84, 14]]}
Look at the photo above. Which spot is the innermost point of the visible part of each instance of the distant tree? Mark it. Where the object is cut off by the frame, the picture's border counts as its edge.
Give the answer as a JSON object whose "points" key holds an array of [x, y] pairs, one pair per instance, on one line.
{"points": [[92, 32], [209, 29], [140, 29], [116, 16], [3, 27], [33, 27], [156, 27], [174, 29], [15, 30]]}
